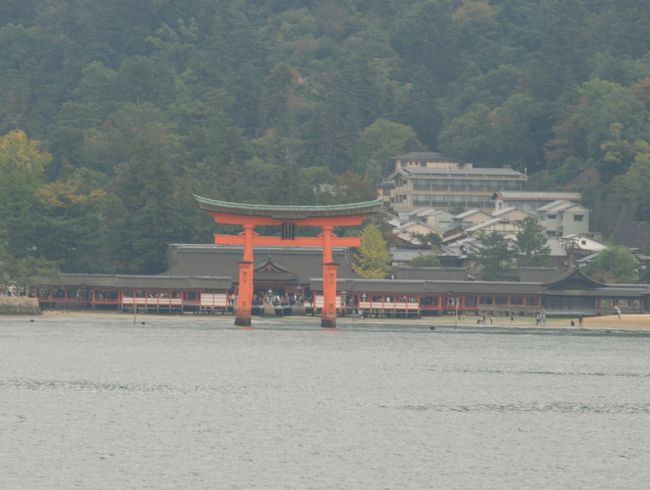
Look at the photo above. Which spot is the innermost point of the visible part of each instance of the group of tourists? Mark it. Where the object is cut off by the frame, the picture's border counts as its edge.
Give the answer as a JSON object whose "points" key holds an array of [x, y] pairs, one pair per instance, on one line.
{"points": [[13, 289], [277, 299]]}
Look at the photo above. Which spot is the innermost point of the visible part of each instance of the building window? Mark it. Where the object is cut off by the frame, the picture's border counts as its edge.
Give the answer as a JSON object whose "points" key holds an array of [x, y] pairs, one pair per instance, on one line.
{"points": [[512, 185], [440, 185], [420, 200], [552, 216], [458, 185], [421, 184], [577, 217], [457, 200]]}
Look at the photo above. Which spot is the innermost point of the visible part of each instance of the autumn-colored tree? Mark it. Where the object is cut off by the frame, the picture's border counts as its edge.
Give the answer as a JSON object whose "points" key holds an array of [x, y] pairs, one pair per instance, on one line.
{"points": [[372, 260], [22, 162]]}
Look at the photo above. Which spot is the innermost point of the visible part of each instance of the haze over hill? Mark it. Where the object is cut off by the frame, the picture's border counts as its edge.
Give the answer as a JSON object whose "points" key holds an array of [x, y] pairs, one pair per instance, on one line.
{"points": [[113, 113]]}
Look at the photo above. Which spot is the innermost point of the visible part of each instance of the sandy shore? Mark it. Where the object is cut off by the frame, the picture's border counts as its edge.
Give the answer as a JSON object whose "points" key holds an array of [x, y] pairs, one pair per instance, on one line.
{"points": [[627, 322], [612, 322]]}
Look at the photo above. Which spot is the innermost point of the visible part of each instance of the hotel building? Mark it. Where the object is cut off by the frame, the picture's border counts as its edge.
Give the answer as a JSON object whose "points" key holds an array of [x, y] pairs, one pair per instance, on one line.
{"points": [[431, 180]]}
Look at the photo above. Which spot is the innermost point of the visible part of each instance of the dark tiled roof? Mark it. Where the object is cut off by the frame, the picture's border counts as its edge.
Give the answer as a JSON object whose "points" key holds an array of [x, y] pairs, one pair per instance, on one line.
{"points": [[539, 274], [138, 281], [299, 263], [428, 171], [430, 273], [433, 287]]}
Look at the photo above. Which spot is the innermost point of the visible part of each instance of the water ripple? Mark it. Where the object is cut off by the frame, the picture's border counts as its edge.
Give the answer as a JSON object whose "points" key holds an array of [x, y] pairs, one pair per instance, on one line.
{"points": [[83, 385], [542, 373], [551, 407]]}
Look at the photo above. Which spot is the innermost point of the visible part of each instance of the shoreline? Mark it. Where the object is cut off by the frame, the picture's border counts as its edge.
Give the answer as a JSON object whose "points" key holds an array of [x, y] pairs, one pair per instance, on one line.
{"points": [[627, 322]]}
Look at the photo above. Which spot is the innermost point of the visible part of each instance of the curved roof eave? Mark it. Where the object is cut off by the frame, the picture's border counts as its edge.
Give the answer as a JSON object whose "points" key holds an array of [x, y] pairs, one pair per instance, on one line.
{"points": [[279, 211]]}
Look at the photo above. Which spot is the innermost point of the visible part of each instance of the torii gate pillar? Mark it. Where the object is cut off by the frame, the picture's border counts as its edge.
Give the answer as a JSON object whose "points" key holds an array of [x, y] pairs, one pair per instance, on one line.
{"points": [[245, 297], [289, 217], [328, 313]]}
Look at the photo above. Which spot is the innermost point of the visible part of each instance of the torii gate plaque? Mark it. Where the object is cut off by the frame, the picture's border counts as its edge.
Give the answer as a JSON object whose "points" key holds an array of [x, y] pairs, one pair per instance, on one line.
{"points": [[288, 218]]}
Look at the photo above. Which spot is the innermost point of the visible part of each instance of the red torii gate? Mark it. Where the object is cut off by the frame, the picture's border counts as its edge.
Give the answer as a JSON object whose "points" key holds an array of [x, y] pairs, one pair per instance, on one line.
{"points": [[289, 218]]}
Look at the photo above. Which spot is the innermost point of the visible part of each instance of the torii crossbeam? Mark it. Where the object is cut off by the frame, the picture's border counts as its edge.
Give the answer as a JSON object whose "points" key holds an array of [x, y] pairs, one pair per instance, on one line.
{"points": [[288, 218]]}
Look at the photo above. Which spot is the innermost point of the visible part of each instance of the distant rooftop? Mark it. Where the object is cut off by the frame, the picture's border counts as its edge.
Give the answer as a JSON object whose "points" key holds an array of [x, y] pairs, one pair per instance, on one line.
{"points": [[424, 171], [560, 205], [423, 155], [536, 196], [501, 212], [470, 212]]}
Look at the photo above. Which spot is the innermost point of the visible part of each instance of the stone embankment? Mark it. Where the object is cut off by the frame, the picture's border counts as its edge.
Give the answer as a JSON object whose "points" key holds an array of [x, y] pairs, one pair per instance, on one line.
{"points": [[19, 305]]}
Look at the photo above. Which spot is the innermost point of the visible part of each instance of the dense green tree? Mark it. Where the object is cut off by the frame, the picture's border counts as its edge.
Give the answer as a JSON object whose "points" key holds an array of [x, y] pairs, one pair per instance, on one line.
{"points": [[585, 134], [530, 245], [518, 132], [634, 184], [615, 264], [78, 229], [466, 136], [145, 183], [378, 143], [349, 187], [424, 35], [430, 260], [495, 257], [276, 102]]}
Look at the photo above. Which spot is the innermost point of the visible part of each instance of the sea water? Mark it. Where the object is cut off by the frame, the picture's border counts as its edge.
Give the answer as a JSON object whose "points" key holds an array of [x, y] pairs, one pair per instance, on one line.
{"points": [[193, 402]]}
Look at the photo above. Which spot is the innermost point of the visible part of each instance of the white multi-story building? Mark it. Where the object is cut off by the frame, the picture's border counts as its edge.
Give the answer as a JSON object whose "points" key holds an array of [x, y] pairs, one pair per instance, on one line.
{"points": [[563, 218], [431, 180]]}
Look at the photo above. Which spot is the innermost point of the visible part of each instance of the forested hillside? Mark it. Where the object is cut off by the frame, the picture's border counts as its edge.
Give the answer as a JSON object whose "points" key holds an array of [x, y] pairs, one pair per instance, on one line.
{"points": [[112, 113]]}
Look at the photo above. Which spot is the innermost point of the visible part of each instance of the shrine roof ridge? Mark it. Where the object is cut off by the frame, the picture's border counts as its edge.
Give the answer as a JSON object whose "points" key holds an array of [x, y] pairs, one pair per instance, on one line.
{"points": [[276, 210]]}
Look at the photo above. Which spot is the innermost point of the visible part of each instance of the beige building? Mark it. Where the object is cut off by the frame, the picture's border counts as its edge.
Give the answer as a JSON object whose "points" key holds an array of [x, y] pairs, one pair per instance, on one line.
{"points": [[431, 180], [513, 214], [439, 219], [413, 232], [470, 218], [530, 200], [563, 218]]}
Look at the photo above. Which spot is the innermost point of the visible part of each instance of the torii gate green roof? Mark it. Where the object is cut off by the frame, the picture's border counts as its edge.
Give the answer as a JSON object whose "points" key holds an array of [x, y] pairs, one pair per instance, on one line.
{"points": [[281, 211]]}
